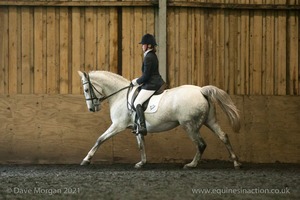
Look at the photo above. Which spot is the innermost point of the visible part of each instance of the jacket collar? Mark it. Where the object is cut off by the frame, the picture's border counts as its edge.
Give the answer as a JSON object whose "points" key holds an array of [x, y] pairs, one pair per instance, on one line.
{"points": [[146, 52]]}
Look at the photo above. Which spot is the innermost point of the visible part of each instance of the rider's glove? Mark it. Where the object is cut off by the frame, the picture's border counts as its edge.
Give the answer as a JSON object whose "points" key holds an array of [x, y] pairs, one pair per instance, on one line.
{"points": [[134, 82]]}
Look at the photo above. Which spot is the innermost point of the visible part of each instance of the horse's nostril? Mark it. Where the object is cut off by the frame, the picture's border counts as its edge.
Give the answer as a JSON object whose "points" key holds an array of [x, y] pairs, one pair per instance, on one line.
{"points": [[91, 110]]}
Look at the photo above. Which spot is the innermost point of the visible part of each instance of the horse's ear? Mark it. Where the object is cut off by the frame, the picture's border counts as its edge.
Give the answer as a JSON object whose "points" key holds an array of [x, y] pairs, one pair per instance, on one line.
{"points": [[80, 74]]}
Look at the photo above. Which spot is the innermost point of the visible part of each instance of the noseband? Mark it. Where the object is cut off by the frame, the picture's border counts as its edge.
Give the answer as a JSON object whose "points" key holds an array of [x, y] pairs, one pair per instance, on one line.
{"points": [[92, 90]]}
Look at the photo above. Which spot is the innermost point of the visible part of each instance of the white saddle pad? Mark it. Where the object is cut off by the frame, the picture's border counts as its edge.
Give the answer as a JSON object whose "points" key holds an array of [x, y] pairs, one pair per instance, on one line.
{"points": [[153, 102]]}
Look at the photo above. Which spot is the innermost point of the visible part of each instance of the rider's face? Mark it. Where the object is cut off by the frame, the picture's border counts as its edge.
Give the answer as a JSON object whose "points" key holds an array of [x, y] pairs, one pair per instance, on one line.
{"points": [[144, 47]]}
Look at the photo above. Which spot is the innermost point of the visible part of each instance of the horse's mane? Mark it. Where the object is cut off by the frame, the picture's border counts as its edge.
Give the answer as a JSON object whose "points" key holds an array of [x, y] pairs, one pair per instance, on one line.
{"points": [[111, 75]]}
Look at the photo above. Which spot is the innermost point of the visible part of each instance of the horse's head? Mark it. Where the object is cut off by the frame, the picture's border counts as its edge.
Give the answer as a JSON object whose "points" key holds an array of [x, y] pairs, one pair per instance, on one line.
{"points": [[92, 101]]}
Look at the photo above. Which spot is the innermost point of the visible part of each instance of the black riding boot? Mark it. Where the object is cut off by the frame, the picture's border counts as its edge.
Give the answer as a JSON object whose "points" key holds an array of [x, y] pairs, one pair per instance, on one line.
{"points": [[142, 125]]}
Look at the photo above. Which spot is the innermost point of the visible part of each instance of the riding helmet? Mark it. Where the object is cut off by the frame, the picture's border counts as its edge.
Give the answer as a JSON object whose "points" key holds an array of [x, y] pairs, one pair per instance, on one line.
{"points": [[148, 39]]}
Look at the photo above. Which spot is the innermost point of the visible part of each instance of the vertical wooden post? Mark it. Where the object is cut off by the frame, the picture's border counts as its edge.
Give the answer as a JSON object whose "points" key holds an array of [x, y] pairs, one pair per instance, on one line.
{"points": [[162, 39]]}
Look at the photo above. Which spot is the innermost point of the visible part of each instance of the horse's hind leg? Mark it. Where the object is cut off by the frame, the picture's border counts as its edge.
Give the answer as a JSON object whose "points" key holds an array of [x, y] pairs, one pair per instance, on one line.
{"points": [[214, 126], [200, 144]]}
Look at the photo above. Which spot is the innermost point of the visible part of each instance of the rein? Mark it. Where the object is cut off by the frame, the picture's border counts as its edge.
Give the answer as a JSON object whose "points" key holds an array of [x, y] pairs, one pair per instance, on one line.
{"points": [[106, 97], [93, 95]]}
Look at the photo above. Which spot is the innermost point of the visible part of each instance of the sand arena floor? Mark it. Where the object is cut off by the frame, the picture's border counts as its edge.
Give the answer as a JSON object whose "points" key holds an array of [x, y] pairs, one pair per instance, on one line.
{"points": [[211, 180]]}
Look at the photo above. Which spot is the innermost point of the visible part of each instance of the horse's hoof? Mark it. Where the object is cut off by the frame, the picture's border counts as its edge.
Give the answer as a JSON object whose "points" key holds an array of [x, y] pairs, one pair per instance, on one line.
{"points": [[85, 162], [237, 165], [138, 165], [187, 166]]}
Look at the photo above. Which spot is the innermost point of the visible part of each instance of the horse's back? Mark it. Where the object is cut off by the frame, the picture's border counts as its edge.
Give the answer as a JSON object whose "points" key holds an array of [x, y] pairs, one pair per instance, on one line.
{"points": [[186, 98], [186, 92]]}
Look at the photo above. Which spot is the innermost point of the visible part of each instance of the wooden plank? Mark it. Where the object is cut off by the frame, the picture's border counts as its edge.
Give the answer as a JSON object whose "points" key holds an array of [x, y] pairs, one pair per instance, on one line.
{"points": [[213, 58], [183, 44], [269, 53], [245, 51], [57, 50], [19, 52], [171, 46], [298, 53], [13, 49], [233, 47], [90, 39], [279, 4], [138, 32], [220, 49], [292, 53], [76, 58], [226, 52], [4, 27], [2, 49], [113, 40], [201, 72], [190, 40], [51, 54], [208, 48], [101, 39], [280, 79], [90, 3], [196, 44], [263, 56], [233, 5], [177, 48], [171, 28], [39, 77], [82, 39], [215, 44], [239, 72], [44, 55], [26, 49], [256, 52], [148, 16], [131, 52], [126, 50], [63, 49]]}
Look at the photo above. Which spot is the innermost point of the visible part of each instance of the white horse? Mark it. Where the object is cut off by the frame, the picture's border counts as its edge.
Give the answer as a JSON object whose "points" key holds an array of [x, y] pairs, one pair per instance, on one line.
{"points": [[189, 106]]}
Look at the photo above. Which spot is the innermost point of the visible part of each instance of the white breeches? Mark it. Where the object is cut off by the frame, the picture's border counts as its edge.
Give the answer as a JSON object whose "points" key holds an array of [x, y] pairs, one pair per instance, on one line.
{"points": [[143, 96]]}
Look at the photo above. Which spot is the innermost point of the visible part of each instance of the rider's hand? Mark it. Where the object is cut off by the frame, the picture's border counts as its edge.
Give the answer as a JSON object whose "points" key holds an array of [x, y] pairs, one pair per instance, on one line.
{"points": [[134, 82]]}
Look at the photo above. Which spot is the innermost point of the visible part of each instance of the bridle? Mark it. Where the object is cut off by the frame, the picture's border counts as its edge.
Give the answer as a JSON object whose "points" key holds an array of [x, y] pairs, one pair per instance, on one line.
{"points": [[92, 90]]}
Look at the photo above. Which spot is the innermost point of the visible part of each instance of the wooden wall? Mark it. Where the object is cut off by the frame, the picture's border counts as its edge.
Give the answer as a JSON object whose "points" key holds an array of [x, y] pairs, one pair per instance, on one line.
{"points": [[53, 129], [245, 51], [44, 47], [248, 48]]}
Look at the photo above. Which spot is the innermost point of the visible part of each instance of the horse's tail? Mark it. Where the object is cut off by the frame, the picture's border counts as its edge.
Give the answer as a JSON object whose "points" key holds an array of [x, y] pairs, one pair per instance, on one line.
{"points": [[225, 102]]}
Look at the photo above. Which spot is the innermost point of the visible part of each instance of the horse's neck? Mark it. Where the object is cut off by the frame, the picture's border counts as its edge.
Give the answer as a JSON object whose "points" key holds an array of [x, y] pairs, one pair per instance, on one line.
{"points": [[108, 81]]}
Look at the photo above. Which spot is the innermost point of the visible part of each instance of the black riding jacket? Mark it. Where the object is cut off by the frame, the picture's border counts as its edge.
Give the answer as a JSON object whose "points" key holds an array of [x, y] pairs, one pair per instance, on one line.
{"points": [[151, 79]]}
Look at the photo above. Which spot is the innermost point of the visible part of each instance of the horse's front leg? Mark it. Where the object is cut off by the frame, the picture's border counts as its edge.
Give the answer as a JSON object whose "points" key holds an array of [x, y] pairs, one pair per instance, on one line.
{"points": [[141, 145], [110, 132]]}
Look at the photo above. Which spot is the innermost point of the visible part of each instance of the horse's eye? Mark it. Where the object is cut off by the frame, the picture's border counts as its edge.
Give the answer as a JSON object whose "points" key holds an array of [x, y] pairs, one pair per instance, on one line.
{"points": [[86, 90]]}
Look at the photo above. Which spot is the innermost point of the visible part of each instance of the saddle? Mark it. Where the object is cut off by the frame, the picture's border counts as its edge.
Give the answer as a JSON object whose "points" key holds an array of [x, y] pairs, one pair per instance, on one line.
{"points": [[136, 91]]}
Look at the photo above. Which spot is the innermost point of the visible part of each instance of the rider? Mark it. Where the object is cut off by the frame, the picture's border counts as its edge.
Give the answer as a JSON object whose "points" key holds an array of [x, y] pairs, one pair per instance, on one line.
{"points": [[150, 80]]}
